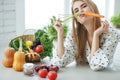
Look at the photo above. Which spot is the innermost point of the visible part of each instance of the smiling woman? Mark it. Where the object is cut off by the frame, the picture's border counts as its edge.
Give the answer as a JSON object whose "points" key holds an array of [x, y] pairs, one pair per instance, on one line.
{"points": [[39, 12]]}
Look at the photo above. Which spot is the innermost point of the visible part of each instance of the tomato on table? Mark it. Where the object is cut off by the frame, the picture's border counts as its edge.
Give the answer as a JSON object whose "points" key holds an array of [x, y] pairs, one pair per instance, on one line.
{"points": [[52, 75], [42, 73]]}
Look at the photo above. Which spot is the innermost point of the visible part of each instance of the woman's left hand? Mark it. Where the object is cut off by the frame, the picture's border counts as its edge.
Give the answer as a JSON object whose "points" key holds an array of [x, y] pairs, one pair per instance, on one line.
{"points": [[103, 28]]}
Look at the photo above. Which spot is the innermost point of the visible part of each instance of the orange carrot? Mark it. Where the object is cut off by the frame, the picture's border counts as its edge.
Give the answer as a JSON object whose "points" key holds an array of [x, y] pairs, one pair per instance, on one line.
{"points": [[93, 14], [29, 55]]}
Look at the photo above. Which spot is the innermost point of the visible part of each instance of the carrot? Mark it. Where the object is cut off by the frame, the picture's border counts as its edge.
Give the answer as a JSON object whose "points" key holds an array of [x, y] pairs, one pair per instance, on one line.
{"points": [[93, 14], [29, 55], [33, 56]]}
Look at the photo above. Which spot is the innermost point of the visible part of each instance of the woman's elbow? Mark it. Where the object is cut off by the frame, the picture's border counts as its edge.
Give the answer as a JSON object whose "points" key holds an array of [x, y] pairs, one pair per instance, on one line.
{"points": [[97, 67]]}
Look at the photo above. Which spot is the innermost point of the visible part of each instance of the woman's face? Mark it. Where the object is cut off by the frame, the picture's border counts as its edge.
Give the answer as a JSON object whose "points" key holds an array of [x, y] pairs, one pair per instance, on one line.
{"points": [[80, 7]]}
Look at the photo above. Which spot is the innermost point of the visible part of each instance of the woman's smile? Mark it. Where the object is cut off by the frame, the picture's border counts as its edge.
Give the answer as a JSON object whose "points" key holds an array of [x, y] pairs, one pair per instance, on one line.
{"points": [[82, 15]]}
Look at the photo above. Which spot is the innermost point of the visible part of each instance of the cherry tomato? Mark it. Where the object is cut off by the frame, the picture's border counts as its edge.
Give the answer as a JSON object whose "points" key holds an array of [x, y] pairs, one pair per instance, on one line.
{"points": [[52, 75], [42, 73], [39, 48]]}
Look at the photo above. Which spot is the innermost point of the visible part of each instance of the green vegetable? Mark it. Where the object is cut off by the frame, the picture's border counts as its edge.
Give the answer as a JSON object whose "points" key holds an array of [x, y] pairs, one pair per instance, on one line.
{"points": [[15, 44], [39, 33], [115, 19], [46, 42], [70, 17], [51, 30]]}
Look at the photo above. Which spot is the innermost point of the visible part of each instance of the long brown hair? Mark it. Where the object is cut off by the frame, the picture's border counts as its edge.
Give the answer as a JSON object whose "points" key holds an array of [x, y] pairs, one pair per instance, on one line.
{"points": [[79, 32]]}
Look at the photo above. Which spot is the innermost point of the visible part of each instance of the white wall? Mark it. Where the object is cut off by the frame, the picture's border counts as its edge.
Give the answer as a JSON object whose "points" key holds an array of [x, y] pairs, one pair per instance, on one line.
{"points": [[117, 6], [11, 19], [7, 20], [109, 8], [20, 16], [112, 7]]}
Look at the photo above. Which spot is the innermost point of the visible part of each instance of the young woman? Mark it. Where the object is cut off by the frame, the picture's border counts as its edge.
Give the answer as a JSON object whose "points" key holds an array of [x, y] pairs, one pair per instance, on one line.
{"points": [[91, 40]]}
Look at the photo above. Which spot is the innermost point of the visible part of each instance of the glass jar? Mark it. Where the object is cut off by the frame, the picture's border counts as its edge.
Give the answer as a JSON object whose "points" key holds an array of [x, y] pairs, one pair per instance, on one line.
{"points": [[28, 68]]}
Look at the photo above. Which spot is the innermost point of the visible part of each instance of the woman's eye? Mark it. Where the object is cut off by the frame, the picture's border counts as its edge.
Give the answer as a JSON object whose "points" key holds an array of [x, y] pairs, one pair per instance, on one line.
{"points": [[76, 11], [84, 5]]}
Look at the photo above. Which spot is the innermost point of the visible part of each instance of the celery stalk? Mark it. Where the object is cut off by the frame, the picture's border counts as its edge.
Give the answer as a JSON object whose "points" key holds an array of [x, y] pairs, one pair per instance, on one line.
{"points": [[66, 19]]}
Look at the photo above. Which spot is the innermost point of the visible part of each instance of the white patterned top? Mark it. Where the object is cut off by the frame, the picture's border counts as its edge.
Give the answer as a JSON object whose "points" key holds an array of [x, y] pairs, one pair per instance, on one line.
{"points": [[102, 57]]}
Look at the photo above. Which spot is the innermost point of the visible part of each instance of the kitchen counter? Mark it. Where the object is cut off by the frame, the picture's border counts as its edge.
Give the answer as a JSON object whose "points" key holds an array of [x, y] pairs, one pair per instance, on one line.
{"points": [[71, 72]]}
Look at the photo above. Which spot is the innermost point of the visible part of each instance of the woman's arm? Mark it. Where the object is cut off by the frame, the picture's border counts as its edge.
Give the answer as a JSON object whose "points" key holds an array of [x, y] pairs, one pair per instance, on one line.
{"points": [[64, 51], [60, 37], [60, 44], [96, 35], [98, 56], [69, 53], [95, 45], [103, 56]]}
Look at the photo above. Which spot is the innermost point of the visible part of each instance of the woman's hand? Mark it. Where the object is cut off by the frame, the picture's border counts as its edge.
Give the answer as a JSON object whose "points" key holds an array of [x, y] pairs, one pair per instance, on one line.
{"points": [[103, 28], [95, 43], [58, 26], [60, 37]]}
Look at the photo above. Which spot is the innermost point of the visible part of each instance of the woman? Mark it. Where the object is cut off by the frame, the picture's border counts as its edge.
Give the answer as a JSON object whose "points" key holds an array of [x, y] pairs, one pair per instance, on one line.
{"points": [[92, 40]]}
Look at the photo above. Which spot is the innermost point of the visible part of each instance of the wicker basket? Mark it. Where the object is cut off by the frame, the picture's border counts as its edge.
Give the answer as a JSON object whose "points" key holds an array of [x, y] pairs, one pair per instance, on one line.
{"points": [[24, 38], [27, 37]]}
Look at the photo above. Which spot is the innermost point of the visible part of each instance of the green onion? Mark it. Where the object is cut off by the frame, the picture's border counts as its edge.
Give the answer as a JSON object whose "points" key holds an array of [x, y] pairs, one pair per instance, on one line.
{"points": [[66, 19]]}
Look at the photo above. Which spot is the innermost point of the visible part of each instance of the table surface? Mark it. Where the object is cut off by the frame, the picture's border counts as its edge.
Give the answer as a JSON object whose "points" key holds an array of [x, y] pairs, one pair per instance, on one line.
{"points": [[71, 72]]}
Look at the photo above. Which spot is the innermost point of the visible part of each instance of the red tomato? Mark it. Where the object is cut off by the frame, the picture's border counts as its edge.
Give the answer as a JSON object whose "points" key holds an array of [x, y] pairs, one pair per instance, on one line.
{"points": [[52, 75], [43, 73], [39, 48]]}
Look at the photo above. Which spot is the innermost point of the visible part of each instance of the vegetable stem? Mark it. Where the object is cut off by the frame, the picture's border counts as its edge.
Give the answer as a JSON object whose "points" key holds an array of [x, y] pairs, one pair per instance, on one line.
{"points": [[66, 19], [20, 47]]}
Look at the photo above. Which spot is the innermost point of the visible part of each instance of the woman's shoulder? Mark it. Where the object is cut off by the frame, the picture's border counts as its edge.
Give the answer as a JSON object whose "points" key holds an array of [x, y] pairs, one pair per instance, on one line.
{"points": [[112, 29]]}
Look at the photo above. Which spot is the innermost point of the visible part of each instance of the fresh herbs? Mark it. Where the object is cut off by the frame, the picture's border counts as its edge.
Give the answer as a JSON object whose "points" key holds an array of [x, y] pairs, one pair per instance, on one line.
{"points": [[15, 44], [46, 42], [115, 20], [51, 30]]}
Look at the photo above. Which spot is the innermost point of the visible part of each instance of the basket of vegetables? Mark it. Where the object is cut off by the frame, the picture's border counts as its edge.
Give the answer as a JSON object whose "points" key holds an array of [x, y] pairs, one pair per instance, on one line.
{"points": [[27, 41], [36, 46]]}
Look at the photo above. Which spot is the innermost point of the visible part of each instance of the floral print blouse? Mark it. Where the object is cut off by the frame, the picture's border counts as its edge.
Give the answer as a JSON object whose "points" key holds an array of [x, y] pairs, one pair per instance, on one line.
{"points": [[102, 57]]}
